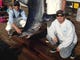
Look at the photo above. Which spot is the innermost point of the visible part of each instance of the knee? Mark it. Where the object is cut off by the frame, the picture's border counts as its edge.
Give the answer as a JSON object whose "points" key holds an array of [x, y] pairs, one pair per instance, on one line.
{"points": [[64, 53], [48, 37], [22, 23], [64, 57], [8, 27]]}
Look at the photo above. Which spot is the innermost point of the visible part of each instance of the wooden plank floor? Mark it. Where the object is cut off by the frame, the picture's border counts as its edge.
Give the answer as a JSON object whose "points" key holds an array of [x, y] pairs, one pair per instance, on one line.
{"points": [[36, 48]]}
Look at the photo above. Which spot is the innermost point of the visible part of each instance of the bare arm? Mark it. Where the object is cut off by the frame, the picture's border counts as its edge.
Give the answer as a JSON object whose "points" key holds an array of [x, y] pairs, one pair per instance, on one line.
{"points": [[63, 5], [16, 28], [55, 40]]}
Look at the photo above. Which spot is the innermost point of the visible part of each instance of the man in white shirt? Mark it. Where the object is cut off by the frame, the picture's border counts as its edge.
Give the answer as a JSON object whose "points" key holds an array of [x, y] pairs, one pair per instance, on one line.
{"points": [[52, 6], [62, 31], [17, 18]]}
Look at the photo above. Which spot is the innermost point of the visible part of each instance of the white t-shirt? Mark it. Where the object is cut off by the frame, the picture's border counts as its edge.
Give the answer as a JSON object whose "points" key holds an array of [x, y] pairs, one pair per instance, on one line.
{"points": [[53, 6], [65, 32]]}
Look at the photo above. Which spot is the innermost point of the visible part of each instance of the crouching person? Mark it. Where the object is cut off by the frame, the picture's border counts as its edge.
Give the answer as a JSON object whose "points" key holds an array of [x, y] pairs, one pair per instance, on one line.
{"points": [[17, 18], [62, 31]]}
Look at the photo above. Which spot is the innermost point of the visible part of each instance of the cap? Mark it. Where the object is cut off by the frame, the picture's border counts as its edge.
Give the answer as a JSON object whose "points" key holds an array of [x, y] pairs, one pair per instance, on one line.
{"points": [[60, 12], [16, 3]]}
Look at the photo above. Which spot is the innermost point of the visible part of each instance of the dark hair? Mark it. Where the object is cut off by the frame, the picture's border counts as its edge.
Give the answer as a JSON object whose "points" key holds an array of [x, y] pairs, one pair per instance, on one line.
{"points": [[16, 3]]}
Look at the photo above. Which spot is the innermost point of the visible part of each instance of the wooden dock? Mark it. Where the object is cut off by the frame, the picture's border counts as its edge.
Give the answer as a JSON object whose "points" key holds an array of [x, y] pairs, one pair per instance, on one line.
{"points": [[36, 48]]}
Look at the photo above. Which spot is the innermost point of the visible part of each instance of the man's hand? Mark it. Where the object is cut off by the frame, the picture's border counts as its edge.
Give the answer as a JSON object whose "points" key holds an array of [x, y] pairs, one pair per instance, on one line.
{"points": [[18, 30], [55, 40], [57, 49]]}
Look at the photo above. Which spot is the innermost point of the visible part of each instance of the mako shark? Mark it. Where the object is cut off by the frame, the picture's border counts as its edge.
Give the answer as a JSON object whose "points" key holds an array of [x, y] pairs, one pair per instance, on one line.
{"points": [[35, 14]]}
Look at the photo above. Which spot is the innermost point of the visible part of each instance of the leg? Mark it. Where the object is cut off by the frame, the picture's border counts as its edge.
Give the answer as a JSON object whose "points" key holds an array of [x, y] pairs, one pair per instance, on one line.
{"points": [[55, 44], [66, 52], [72, 56], [9, 29], [22, 23]]}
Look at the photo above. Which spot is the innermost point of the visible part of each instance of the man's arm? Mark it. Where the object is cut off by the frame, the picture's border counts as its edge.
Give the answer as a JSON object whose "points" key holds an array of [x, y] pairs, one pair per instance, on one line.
{"points": [[23, 14], [16, 28], [63, 5]]}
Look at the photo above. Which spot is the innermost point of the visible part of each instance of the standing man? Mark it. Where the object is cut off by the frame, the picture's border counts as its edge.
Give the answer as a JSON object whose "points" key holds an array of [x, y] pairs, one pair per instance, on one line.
{"points": [[17, 18], [62, 31], [53, 6]]}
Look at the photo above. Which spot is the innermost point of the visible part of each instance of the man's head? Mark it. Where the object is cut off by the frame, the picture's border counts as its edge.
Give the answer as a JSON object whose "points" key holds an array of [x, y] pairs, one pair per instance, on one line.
{"points": [[16, 5], [60, 15], [10, 6]]}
